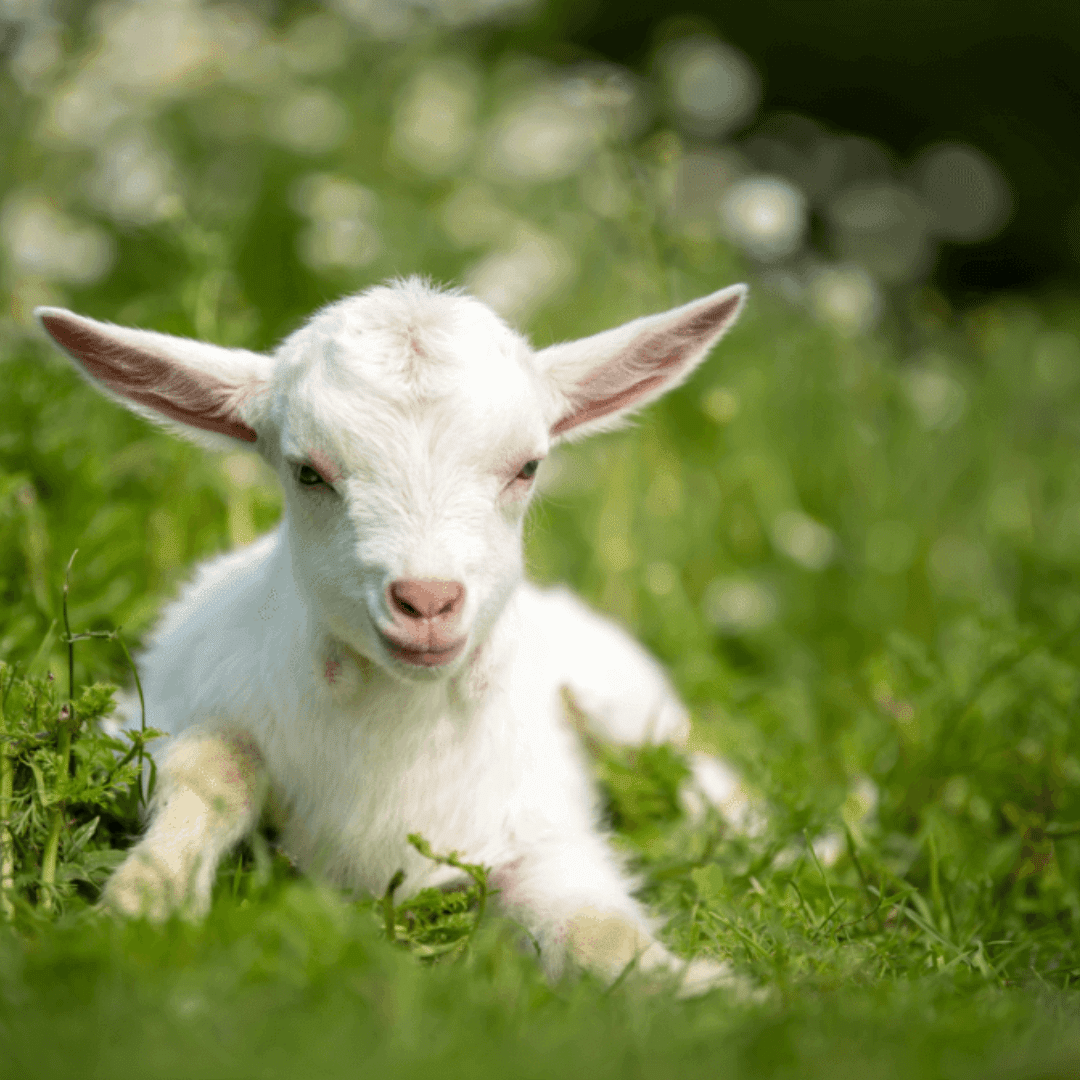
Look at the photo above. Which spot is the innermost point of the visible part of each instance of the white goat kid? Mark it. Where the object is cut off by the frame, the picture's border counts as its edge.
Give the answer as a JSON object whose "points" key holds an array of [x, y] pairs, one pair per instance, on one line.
{"points": [[377, 663]]}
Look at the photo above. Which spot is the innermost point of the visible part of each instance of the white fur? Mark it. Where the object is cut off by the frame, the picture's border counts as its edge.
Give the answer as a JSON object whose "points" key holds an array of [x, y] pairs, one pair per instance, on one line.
{"points": [[270, 671]]}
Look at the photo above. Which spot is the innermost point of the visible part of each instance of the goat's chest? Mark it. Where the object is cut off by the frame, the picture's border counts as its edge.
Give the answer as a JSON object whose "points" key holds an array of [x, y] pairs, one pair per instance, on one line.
{"points": [[355, 784]]}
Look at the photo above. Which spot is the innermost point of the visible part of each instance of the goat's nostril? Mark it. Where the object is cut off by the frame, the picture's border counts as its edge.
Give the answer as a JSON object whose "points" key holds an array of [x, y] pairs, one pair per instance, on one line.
{"points": [[427, 599]]}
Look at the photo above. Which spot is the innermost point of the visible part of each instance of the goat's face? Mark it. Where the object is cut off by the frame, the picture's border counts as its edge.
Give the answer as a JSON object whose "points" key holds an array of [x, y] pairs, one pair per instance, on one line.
{"points": [[408, 428], [406, 425]]}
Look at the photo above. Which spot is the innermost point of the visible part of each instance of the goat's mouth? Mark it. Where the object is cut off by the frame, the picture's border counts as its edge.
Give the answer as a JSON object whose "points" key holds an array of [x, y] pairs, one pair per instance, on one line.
{"points": [[428, 656]]}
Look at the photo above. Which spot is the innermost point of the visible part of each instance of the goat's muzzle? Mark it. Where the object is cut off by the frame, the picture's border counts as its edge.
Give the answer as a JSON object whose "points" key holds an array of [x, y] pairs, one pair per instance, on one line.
{"points": [[425, 614]]}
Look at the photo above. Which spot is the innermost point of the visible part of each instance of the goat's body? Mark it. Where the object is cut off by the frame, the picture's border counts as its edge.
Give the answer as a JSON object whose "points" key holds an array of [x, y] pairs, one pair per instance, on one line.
{"points": [[377, 663], [358, 759]]}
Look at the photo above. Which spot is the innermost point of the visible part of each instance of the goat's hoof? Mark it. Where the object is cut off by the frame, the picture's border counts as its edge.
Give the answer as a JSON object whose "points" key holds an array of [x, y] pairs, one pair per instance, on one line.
{"points": [[613, 946], [701, 976], [143, 886], [605, 943]]}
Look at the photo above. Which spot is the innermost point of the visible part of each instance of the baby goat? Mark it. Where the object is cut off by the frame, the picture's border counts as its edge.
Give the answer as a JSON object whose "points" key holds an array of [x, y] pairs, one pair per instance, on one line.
{"points": [[377, 663]]}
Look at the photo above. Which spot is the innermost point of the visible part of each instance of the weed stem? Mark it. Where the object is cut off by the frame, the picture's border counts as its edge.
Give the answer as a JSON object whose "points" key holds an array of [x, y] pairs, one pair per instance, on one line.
{"points": [[7, 779], [67, 725]]}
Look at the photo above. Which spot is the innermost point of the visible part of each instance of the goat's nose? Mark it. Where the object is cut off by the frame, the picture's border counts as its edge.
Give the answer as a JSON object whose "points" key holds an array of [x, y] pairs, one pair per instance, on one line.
{"points": [[440, 600]]}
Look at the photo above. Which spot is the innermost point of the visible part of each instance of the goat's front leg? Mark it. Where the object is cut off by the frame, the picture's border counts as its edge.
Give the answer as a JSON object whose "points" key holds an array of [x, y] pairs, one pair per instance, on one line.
{"points": [[574, 901], [211, 786]]}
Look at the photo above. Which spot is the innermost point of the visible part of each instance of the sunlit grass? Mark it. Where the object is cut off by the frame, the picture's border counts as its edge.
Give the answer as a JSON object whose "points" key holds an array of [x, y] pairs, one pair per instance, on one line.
{"points": [[915, 723]]}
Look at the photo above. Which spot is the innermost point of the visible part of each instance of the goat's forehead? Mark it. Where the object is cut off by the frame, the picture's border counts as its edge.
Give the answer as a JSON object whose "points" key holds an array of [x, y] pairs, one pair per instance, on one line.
{"points": [[367, 370], [407, 341]]}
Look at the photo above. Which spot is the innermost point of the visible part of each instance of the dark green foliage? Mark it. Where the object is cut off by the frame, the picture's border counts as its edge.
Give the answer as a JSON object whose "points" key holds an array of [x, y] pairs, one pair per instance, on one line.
{"points": [[641, 785], [63, 769], [437, 924]]}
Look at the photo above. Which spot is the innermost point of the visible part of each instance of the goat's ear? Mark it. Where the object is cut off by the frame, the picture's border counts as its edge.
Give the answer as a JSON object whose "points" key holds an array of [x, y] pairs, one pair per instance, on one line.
{"points": [[598, 380], [201, 391]]}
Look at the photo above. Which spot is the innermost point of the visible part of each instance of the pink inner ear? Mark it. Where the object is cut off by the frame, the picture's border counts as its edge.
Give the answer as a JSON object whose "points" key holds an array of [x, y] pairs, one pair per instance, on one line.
{"points": [[593, 410], [646, 364], [194, 398]]}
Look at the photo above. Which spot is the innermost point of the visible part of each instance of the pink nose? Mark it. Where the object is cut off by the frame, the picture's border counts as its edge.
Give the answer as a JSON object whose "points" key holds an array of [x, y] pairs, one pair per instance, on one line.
{"points": [[439, 601]]}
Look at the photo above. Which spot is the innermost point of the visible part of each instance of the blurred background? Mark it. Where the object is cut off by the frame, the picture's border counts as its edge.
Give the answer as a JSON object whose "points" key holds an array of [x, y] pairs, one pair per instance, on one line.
{"points": [[859, 154]]}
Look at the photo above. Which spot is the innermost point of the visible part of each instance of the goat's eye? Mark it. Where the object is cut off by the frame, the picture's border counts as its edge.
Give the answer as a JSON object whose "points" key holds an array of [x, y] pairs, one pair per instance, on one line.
{"points": [[528, 470], [308, 476]]}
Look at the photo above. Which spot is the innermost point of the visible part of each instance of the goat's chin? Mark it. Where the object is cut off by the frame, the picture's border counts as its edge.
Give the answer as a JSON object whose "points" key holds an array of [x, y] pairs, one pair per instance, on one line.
{"points": [[370, 657], [423, 665], [407, 671]]}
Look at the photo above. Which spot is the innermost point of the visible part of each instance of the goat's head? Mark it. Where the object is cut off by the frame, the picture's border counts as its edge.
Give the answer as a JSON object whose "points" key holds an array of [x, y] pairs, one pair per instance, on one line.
{"points": [[406, 425]]}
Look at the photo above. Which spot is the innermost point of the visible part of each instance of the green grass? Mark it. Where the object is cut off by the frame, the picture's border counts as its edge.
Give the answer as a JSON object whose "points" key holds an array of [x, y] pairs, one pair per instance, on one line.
{"points": [[859, 558], [942, 941]]}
